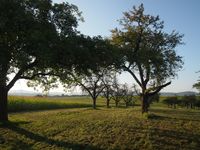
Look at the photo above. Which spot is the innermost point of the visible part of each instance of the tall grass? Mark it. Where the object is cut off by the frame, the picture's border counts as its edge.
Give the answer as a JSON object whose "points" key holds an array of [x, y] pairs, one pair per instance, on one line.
{"points": [[18, 103], [27, 103]]}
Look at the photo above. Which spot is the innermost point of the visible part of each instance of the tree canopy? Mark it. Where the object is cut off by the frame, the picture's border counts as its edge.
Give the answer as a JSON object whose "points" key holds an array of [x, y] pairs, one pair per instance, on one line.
{"points": [[32, 35], [197, 85]]}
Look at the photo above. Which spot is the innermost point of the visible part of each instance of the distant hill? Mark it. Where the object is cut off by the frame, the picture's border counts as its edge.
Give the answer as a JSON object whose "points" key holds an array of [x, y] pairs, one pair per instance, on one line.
{"points": [[34, 93], [23, 93], [30, 93], [178, 94]]}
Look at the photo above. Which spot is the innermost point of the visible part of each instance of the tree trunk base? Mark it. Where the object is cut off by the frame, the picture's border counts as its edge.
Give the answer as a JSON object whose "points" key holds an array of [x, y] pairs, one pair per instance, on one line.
{"points": [[3, 104], [145, 105]]}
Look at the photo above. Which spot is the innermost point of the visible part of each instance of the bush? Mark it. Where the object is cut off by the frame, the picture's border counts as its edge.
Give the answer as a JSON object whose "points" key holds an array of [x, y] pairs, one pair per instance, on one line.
{"points": [[188, 101], [171, 101]]}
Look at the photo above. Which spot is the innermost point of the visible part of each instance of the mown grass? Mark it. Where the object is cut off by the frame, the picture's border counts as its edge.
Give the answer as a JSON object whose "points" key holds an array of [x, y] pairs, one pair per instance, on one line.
{"points": [[114, 128]]}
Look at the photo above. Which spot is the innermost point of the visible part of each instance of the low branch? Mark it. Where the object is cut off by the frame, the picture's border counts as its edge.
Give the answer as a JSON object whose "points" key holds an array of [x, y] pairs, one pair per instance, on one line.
{"points": [[19, 73], [87, 89], [134, 76], [141, 74], [37, 75], [159, 88], [147, 75]]}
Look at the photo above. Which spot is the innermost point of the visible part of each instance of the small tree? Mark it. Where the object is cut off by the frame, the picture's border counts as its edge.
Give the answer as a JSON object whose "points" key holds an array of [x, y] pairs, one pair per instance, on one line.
{"points": [[108, 90], [189, 101], [117, 92], [91, 83], [127, 95], [171, 101], [197, 86], [148, 52]]}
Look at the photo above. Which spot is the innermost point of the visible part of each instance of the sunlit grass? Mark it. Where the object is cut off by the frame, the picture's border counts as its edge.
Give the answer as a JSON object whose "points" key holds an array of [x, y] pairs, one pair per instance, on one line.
{"points": [[19, 103]]}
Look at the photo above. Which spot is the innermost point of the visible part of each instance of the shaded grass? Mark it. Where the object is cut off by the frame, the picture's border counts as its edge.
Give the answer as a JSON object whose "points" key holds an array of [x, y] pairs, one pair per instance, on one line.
{"points": [[114, 128]]}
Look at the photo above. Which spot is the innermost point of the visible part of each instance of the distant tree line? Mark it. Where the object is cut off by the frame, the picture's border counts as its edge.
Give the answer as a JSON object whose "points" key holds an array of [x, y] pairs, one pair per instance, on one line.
{"points": [[188, 101]]}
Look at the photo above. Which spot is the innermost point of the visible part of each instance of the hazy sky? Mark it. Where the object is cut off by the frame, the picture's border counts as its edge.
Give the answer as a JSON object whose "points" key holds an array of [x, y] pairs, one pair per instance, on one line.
{"points": [[181, 15]]}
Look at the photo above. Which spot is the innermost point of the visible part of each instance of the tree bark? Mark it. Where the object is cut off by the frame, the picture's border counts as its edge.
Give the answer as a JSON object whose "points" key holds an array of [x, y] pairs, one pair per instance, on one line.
{"points": [[116, 103], [145, 104], [108, 103], [127, 104], [3, 103], [94, 103]]}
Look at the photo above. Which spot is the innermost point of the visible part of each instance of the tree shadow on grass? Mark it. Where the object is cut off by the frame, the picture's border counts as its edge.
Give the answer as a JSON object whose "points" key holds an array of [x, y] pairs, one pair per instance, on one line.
{"points": [[14, 126], [37, 107], [175, 114], [175, 139]]}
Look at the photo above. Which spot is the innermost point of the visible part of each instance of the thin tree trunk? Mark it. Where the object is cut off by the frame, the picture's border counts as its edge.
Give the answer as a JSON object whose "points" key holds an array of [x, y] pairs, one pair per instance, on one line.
{"points": [[108, 103], [116, 103], [126, 104], [3, 103]]}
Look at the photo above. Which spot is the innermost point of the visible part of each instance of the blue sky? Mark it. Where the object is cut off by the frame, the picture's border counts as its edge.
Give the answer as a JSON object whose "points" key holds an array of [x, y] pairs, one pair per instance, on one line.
{"points": [[181, 15]]}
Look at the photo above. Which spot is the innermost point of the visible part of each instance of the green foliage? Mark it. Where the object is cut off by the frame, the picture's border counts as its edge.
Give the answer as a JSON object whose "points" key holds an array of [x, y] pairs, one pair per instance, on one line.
{"points": [[197, 86], [188, 101], [127, 95], [147, 51], [171, 101], [155, 98], [33, 33]]}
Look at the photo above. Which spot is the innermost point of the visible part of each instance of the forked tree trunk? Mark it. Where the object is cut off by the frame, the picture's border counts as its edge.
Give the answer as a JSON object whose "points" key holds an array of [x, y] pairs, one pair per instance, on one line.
{"points": [[3, 103], [145, 104]]}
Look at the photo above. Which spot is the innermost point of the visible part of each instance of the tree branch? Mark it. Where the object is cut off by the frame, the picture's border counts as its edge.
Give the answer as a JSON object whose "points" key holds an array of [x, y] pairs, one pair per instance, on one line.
{"points": [[38, 74], [19, 73], [159, 88], [147, 75], [141, 75], [134, 76]]}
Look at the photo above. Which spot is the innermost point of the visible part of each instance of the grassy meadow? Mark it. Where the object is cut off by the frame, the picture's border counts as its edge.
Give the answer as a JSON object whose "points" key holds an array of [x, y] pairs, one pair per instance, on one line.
{"points": [[71, 123], [19, 103]]}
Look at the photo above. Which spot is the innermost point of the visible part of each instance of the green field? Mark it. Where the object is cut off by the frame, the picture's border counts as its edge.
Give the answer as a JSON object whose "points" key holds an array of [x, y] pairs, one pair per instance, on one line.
{"points": [[75, 125]]}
